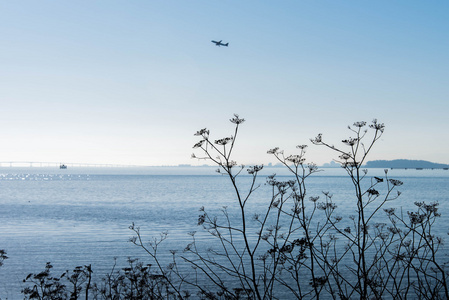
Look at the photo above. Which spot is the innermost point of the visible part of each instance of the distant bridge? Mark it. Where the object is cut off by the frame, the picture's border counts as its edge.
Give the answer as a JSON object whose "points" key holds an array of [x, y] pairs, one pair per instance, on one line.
{"points": [[41, 164]]}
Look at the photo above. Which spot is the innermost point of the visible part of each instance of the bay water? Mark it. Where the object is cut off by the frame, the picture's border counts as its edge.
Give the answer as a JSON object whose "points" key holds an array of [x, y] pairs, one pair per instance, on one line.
{"points": [[81, 216]]}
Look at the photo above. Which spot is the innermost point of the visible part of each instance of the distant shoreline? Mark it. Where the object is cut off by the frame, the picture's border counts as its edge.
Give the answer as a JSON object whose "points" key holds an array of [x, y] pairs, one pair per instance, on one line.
{"points": [[386, 164], [72, 172], [405, 164]]}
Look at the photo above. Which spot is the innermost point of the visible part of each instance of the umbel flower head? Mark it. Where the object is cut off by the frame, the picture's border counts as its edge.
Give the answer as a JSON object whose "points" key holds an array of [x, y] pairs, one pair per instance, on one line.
{"points": [[237, 120], [224, 141], [296, 159], [273, 151], [351, 141], [199, 144], [377, 126], [254, 169], [203, 132], [360, 124]]}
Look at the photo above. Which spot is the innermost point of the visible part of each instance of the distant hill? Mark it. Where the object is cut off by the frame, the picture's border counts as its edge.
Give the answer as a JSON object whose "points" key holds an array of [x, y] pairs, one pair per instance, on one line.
{"points": [[404, 163], [332, 164]]}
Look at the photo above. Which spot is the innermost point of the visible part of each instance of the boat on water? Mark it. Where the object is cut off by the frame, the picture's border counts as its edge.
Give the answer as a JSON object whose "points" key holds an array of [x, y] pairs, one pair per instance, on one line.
{"points": [[62, 166]]}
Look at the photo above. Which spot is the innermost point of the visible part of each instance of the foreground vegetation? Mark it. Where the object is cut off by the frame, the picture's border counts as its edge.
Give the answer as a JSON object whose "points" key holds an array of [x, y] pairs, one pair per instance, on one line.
{"points": [[296, 246]]}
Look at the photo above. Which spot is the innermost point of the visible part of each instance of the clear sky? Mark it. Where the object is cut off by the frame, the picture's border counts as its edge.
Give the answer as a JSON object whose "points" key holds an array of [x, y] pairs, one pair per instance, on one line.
{"points": [[129, 82]]}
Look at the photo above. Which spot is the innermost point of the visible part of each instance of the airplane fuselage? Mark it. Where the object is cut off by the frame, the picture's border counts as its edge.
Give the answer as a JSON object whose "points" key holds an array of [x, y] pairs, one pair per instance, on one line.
{"points": [[219, 43]]}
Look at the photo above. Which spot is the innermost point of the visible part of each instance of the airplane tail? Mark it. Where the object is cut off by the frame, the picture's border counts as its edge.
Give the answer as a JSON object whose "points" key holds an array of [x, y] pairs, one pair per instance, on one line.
{"points": [[226, 44]]}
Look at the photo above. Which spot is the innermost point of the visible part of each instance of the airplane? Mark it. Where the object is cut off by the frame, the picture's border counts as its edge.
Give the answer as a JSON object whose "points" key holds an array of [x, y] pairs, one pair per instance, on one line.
{"points": [[219, 43]]}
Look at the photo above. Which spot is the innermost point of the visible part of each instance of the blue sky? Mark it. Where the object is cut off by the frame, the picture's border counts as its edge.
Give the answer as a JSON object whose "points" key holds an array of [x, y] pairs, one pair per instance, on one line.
{"points": [[129, 82]]}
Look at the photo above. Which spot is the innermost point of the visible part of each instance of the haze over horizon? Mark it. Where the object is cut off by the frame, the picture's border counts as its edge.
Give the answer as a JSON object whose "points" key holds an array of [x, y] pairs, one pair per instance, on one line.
{"points": [[397, 163], [130, 82]]}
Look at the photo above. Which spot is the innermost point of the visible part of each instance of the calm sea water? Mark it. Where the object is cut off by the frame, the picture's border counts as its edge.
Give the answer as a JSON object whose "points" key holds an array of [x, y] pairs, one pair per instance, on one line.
{"points": [[81, 216]]}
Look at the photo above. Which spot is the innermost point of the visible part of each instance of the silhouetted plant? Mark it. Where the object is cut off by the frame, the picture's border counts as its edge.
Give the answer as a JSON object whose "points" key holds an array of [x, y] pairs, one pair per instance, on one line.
{"points": [[137, 281], [376, 248], [44, 285], [2, 256], [77, 278], [295, 246], [302, 248]]}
